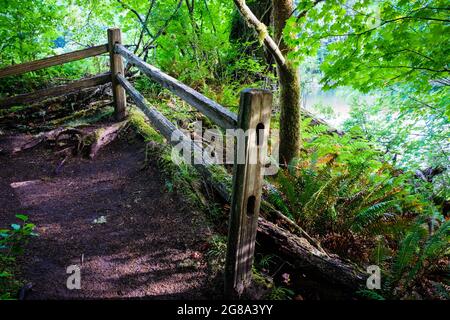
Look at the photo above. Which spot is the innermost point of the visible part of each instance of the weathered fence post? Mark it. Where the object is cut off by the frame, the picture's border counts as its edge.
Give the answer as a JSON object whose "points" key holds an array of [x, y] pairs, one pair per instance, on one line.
{"points": [[254, 120], [116, 64]]}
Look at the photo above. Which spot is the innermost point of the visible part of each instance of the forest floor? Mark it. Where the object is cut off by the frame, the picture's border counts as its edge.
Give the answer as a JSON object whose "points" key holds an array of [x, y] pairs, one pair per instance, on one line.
{"points": [[111, 217]]}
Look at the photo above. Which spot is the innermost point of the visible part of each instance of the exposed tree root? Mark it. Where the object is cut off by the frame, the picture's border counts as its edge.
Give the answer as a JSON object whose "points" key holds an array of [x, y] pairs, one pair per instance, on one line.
{"points": [[105, 136], [83, 140]]}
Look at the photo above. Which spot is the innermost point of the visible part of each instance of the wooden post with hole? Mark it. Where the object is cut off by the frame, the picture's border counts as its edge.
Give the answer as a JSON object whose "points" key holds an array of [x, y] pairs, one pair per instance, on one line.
{"points": [[116, 64], [254, 120]]}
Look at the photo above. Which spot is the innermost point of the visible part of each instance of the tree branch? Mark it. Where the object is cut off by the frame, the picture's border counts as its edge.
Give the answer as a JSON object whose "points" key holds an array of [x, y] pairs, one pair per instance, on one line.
{"points": [[408, 67], [147, 16], [128, 7], [163, 28], [382, 23]]}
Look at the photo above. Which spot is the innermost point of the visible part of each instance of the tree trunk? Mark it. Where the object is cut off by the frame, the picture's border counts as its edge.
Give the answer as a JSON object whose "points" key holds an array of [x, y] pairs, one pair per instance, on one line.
{"points": [[289, 82], [287, 73], [243, 34]]}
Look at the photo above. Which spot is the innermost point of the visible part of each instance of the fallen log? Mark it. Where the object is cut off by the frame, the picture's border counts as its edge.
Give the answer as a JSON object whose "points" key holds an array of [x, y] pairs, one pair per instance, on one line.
{"points": [[55, 91], [269, 208], [300, 251], [53, 112], [302, 254], [315, 121], [91, 109]]}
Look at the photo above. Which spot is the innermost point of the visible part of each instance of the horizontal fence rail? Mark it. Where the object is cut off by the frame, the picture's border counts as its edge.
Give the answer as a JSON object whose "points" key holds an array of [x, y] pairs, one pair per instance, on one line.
{"points": [[56, 91], [161, 123], [214, 111], [53, 61], [168, 130]]}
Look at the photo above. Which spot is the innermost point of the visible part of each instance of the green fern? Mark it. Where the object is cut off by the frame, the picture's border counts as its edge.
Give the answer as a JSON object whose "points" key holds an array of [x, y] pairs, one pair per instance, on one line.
{"points": [[408, 250], [265, 261], [287, 185], [442, 290], [371, 214], [370, 294], [342, 186], [418, 255], [280, 293], [382, 252], [278, 201], [438, 244]]}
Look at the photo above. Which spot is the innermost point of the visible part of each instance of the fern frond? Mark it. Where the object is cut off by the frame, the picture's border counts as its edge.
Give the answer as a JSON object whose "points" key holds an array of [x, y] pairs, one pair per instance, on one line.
{"points": [[371, 214], [438, 245], [407, 253], [370, 294], [277, 200]]}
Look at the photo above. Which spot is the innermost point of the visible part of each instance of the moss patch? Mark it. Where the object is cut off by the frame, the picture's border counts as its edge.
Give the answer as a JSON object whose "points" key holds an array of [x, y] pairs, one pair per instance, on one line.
{"points": [[139, 123]]}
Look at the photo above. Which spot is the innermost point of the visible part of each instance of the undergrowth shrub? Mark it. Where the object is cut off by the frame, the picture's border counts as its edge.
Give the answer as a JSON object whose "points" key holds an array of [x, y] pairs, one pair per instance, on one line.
{"points": [[12, 243], [217, 252], [341, 191], [420, 267], [340, 185]]}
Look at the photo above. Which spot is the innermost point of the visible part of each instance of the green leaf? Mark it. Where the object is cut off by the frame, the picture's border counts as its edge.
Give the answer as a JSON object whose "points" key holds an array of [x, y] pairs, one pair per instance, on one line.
{"points": [[5, 275], [22, 217]]}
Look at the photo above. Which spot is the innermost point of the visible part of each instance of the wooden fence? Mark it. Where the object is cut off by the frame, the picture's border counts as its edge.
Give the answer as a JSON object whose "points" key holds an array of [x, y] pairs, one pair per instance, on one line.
{"points": [[253, 118]]}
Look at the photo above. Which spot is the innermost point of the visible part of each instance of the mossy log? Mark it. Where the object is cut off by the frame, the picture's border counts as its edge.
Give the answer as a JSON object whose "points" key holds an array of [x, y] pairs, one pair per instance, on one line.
{"points": [[51, 113], [302, 254]]}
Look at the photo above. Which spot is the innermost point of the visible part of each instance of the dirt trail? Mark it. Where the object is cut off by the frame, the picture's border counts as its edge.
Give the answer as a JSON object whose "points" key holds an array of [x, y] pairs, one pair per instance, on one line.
{"points": [[149, 247]]}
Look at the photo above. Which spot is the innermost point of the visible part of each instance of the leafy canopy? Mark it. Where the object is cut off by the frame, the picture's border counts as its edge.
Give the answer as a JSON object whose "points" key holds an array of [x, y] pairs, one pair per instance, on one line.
{"points": [[373, 44]]}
